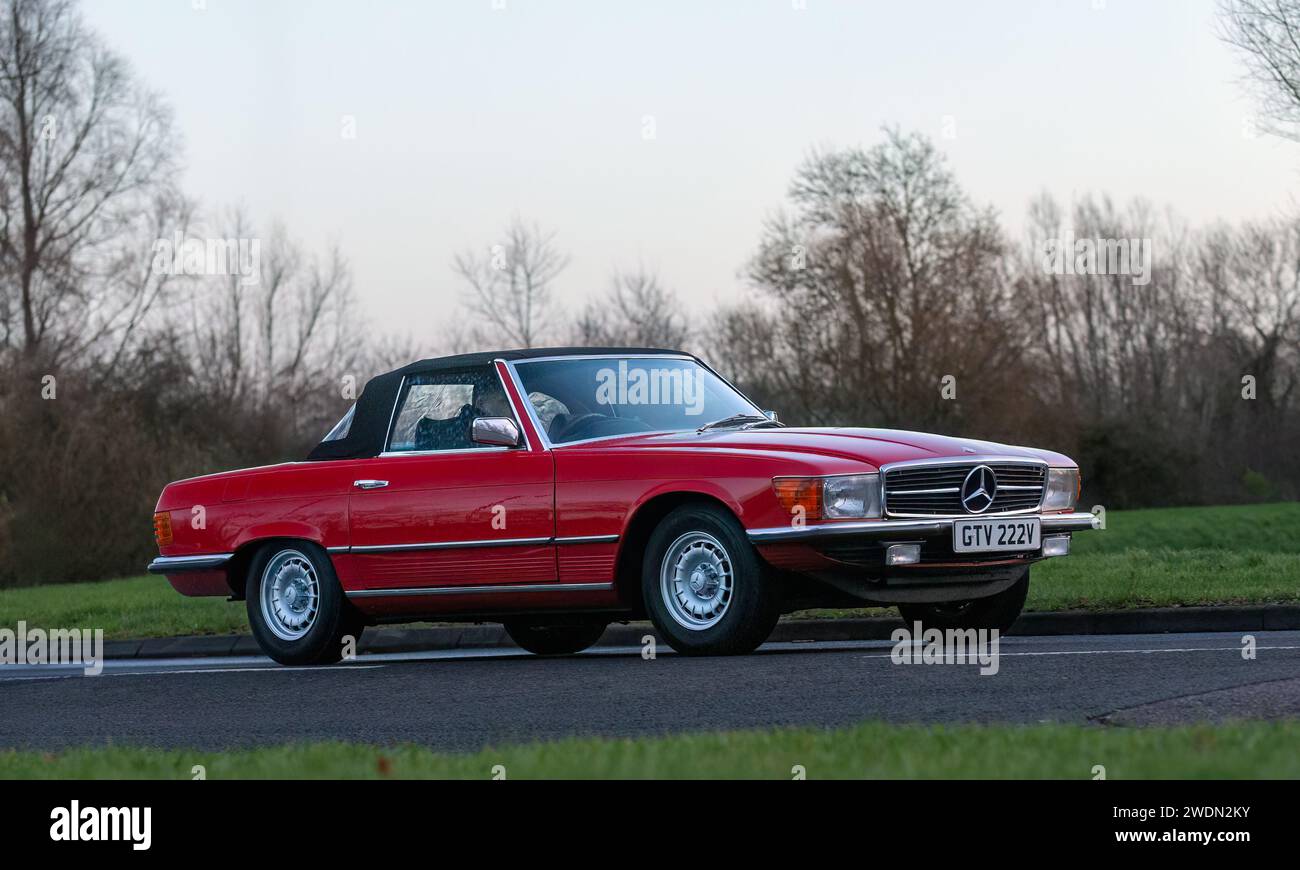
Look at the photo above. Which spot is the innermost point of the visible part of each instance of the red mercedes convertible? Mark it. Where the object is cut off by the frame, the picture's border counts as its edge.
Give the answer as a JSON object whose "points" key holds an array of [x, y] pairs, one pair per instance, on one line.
{"points": [[556, 491]]}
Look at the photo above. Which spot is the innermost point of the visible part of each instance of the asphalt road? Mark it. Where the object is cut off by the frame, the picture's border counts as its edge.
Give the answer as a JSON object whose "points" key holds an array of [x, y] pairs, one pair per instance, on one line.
{"points": [[464, 700]]}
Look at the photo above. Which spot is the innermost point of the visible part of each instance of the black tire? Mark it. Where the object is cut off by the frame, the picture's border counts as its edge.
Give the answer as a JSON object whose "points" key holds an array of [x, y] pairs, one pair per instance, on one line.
{"points": [[752, 604], [998, 611], [554, 639], [335, 618]]}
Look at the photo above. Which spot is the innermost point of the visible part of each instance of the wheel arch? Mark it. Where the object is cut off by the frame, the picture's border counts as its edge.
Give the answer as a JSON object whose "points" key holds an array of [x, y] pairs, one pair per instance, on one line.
{"points": [[245, 553], [636, 535]]}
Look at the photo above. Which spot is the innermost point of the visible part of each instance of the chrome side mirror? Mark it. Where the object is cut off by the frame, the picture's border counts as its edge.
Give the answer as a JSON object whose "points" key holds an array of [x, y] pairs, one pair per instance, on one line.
{"points": [[771, 415], [496, 431]]}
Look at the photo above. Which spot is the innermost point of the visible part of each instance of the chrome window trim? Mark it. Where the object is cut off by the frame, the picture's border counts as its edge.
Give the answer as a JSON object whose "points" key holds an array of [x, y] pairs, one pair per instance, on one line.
{"points": [[397, 454], [392, 415], [512, 365], [557, 357], [180, 564], [392, 418], [528, 409], [752, 403], [485, 589]]}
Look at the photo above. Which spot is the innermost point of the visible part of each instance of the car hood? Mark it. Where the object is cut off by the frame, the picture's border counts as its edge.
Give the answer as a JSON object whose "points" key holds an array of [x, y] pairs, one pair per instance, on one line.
{"points": [[874, 446]]}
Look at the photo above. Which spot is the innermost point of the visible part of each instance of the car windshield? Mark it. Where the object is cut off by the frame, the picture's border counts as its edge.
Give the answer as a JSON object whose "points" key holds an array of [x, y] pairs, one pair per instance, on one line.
{"points": [[578, 399]]}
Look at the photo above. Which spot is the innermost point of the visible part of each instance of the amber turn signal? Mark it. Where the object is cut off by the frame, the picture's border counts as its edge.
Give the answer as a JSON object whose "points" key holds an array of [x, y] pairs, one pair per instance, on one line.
{"points": [[162, 528], [796, 493]]}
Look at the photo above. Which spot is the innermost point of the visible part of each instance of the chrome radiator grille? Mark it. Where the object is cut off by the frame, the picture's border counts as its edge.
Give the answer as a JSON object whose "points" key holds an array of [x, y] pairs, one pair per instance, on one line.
{"points": [[927, 490]]}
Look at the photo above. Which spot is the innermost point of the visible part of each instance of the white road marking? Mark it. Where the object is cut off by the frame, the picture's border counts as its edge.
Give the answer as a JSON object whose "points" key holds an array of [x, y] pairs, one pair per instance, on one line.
{"points": [[373, 661], [261, 668], [1107, 652]]}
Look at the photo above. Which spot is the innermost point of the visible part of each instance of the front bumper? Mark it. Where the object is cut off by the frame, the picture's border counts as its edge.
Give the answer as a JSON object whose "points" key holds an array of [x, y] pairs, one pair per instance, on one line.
{"points": [[908, 530], [851, 559]]}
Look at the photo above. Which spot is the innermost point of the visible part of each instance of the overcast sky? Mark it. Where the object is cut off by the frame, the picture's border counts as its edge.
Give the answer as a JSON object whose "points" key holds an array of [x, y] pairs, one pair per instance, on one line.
{"points": [[466, 113]]}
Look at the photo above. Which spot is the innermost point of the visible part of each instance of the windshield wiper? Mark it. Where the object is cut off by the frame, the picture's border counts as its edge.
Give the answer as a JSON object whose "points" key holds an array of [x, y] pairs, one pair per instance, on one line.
{"points": [[738, 420]]}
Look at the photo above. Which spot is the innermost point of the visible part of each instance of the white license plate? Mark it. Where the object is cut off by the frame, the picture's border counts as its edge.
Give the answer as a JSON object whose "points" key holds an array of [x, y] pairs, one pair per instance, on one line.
{"points": [[996, 536]]}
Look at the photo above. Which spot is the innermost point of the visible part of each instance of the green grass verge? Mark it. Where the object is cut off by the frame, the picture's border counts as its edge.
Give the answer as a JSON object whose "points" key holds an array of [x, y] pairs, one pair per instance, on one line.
{"points": [[1170, 557], [871, 751], [1247, 554], [136, 607]]}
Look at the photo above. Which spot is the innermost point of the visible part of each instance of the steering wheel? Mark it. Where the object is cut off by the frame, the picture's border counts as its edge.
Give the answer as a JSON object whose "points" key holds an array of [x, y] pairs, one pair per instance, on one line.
{"points": [[563, 425]]}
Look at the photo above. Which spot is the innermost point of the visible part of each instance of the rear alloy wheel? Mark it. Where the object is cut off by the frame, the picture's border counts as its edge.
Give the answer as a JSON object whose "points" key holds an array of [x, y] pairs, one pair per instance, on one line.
{"points": [[548, 639], [998, 611], [705, 588], [296, 607]]}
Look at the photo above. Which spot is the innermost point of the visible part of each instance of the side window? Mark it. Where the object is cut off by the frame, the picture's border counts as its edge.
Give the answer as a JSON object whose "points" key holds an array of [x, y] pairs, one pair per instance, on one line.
{"points": [[434, 411], [342, 427]]}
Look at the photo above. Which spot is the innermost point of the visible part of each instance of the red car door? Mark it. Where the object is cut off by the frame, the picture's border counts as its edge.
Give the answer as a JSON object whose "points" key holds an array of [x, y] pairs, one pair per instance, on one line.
{"points": [[436, 510]]}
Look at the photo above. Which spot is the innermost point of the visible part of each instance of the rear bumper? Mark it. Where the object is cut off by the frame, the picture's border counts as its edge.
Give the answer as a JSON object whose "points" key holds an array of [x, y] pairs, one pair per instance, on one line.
{"points": [[185, 564], [905, 530]]}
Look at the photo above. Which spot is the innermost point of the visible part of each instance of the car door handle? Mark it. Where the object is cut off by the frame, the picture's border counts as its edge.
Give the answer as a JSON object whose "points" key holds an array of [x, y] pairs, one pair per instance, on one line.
{"points": [[370, 484]]}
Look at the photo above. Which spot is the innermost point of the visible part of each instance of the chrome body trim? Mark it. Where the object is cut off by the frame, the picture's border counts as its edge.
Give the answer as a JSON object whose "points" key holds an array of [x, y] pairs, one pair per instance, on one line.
{"points": [[588, 539], [498, 589], [181, 564], [1072, 522], [469, 545], [910, 529], [451, 545]]}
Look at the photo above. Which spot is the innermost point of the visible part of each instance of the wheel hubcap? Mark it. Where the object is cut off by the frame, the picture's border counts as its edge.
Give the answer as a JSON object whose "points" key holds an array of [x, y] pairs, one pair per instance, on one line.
{"points": [[290, 595], [696, 581]]}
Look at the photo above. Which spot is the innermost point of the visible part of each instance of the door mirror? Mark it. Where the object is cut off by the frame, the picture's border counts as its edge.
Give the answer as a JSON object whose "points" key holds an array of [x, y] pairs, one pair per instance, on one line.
{"points": [[771, 415], [496, 431]]}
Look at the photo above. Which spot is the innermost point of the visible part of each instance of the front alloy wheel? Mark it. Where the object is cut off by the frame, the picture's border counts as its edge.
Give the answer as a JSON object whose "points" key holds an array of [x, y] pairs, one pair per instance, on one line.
{"points": [[696, 580], [704, 586], [296, 608]]}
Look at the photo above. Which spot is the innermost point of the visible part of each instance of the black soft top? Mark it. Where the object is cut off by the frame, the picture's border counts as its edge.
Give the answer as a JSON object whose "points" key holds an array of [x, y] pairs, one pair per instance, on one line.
{"points": [[374, 410]]}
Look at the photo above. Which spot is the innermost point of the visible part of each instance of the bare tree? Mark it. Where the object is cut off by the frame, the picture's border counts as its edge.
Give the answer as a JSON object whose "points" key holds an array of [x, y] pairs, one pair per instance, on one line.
{"points": [[282, 339], [511, 288], [86, 160], [1267, 35], [884, 280], [636, 311]]}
